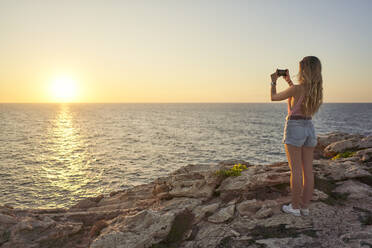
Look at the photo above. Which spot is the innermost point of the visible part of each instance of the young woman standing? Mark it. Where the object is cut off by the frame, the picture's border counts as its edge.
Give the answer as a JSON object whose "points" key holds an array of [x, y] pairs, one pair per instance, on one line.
{"points": [[299, 136]]}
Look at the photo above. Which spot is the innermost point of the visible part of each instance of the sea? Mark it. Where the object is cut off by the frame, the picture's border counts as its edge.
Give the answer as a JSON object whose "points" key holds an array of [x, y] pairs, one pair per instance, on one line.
{"points": [[53, 155]]}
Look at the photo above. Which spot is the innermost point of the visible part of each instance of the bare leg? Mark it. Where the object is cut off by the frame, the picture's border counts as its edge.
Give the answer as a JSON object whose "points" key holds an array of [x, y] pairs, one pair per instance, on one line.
{"points": [[294, 155], [307, 166]]}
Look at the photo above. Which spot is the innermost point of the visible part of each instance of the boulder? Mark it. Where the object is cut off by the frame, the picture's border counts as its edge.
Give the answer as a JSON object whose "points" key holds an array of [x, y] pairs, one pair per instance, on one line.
{"points": [[325, 140], [342, 169], [141, 230], [253, 178], [341, 146], [263, 212], [210, 235], [201, 211], [196, 181], [248, 207], [354, 189], [39, 232], [222, 215]]}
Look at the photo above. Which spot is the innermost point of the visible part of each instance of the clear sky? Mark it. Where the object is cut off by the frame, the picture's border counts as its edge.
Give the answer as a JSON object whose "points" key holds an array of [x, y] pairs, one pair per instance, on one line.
{"points": [[179, 51]]}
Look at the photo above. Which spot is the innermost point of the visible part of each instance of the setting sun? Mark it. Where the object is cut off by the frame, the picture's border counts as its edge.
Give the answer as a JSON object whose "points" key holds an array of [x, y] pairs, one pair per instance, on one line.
{"points": [[64, 89]]}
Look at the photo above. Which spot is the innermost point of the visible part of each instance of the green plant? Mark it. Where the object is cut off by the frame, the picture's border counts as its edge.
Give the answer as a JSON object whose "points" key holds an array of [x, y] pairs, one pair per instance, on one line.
{"points": [[346, 154], [234, 171]]}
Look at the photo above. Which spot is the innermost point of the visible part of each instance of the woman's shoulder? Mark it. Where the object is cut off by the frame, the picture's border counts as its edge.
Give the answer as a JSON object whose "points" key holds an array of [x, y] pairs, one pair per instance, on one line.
{"points": [[299, 88]]}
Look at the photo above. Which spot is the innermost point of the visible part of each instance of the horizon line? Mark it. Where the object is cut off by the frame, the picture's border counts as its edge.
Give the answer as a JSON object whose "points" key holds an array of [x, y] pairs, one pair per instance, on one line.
{"points": [[154, 102]]}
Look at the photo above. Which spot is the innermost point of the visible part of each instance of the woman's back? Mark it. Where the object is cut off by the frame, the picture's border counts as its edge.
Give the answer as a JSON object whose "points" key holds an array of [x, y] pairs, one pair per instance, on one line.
{"points": [[294, 102]]}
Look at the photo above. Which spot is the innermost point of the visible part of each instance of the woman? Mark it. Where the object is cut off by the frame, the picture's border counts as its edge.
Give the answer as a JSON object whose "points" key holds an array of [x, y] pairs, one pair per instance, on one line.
{"points": [[299, 136]]}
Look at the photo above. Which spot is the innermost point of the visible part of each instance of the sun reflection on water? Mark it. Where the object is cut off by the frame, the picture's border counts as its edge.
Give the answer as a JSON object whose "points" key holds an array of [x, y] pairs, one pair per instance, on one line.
{"points": [[67, 168]]}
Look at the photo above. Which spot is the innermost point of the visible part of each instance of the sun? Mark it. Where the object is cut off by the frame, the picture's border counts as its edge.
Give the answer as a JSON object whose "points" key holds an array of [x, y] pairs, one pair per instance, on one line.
{"points": [[64, 89]]}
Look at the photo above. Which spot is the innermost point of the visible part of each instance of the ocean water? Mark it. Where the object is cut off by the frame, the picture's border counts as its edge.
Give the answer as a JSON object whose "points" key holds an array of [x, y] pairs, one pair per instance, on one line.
{"points": [[52, 155]]}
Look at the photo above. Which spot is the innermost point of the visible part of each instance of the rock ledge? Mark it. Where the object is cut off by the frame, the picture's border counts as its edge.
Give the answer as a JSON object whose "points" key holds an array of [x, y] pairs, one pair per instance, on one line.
{"points": [[192, 207]]}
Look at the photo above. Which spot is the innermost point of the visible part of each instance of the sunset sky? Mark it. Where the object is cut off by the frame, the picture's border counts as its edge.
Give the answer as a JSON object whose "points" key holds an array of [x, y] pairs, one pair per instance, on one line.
{"points": [[179, 51]]}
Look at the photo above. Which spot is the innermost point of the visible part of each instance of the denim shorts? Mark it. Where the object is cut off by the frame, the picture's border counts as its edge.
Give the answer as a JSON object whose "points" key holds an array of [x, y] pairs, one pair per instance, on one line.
{"points": [[299, 133]]}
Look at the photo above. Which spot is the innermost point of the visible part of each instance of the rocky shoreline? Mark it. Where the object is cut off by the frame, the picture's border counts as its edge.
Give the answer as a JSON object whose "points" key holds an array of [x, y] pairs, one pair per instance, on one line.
{"points": [[194, 207]]}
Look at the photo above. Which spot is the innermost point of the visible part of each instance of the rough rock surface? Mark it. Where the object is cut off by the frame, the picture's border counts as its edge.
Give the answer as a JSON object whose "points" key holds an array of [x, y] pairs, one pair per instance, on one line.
{"points": [[193, 207], [325, 140], [365, 154]]}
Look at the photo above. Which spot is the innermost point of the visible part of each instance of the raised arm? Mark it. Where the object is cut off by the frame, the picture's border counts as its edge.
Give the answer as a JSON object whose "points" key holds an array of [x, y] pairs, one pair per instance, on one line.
{"points": [[290, 91]]}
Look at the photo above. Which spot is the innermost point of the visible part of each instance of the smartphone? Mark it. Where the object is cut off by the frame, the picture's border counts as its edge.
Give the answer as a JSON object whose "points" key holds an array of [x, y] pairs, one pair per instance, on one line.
{"points": [[281, 72]]}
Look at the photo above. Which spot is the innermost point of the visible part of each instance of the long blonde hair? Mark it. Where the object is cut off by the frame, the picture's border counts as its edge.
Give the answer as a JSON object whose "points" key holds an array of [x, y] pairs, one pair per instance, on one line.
{"points": [[310, 75]]}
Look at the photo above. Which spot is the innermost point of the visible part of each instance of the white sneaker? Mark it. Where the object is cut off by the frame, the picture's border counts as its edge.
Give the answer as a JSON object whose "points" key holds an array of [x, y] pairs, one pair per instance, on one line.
{"points": [[288, 209], [305, 211]]}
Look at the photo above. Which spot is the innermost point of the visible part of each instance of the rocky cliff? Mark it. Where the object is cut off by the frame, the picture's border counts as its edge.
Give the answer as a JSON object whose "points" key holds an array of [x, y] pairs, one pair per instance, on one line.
{"points": [[194, 207]]}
